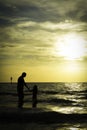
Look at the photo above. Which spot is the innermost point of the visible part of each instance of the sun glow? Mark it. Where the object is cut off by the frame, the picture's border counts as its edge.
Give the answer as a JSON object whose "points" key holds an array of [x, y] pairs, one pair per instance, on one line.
{"points": [[71, 47]]}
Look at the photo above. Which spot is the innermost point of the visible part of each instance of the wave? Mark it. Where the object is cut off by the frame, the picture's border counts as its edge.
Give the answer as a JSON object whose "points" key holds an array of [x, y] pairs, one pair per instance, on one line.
{"points": [[39, 116]]}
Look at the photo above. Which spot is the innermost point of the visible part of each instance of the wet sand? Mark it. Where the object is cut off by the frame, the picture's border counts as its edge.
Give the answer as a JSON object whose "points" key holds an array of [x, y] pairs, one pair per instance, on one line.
{"points": [[39, 115]]}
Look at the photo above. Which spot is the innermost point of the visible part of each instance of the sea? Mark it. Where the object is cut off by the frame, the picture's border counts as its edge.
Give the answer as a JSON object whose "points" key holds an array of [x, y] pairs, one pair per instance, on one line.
{"points": [[62, 97]]}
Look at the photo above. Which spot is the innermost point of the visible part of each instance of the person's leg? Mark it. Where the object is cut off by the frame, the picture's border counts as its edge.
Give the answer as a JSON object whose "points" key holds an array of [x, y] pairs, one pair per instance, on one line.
{"points": [[20, 101], [34, 103]]}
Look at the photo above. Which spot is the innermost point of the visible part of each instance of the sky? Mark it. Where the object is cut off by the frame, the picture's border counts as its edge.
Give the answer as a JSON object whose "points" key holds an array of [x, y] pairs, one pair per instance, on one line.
{"points": [[47, 39]]}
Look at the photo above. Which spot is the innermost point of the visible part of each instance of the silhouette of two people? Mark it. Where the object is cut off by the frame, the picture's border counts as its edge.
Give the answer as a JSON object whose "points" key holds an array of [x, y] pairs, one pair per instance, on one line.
{"points": [[20, 86]]}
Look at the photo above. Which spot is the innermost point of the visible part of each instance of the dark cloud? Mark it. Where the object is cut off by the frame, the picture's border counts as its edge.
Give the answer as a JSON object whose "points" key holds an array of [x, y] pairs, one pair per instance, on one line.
{"points": [[5, 22], [40, 11], [36, 13], [16, 12], [4, 35], [84, 17], [7, 10]]}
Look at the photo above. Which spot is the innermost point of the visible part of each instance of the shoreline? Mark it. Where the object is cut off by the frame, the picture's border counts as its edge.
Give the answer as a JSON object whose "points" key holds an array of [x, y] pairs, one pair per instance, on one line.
{"points": [[39, 115]]}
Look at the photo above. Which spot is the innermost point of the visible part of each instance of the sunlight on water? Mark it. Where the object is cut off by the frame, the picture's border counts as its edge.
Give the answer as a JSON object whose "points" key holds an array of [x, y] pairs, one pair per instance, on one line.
{"points": [[67, 110], [35, 126], [74, 129], [77, 129], [59, 97], [71, 128], [74, 86]]}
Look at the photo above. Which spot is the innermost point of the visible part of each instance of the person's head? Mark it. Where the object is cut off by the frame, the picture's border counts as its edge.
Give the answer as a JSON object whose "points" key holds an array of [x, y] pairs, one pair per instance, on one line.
{"points": [[23, 74]]}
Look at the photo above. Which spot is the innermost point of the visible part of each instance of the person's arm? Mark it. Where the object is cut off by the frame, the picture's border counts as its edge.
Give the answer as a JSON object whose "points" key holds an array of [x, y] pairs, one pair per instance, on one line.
{"points": [[26, 86]]}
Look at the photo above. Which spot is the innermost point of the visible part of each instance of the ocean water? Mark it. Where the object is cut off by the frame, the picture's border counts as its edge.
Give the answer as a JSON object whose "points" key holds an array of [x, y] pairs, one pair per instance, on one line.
{"points": [[61, 97]]}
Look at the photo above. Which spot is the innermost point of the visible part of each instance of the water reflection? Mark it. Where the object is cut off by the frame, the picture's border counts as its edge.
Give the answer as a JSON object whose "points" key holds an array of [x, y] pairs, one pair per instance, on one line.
{"points": [[74, 128], [68, 110], [70, 127], [35, 126], [75, 86], [73, 99]]}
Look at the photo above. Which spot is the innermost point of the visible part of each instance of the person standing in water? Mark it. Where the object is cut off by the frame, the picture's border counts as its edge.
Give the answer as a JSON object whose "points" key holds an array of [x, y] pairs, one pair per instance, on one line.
{"points": [[34, 96], [20, 86]]}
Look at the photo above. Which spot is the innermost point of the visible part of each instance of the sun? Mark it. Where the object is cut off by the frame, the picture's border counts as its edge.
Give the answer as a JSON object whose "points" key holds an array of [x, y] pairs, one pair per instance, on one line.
{"points": [[71, 47]]}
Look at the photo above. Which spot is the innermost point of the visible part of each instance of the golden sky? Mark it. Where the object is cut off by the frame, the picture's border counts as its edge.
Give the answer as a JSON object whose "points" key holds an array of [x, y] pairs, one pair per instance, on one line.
{"points": [[46, 39]]}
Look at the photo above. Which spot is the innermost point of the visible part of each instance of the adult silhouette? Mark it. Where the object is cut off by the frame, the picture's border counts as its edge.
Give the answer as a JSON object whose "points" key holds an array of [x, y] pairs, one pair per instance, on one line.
{"points": [[20, 86]]}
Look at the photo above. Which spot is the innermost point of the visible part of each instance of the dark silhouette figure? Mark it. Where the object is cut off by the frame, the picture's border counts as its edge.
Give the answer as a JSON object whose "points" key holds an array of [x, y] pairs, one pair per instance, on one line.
{"points": [[11, 79], [20, 86], [34, 96]]}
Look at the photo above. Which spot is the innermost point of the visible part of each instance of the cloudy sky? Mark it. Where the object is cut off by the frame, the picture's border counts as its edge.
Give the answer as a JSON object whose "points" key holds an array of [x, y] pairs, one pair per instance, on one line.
{"points": [[45, 38]]}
